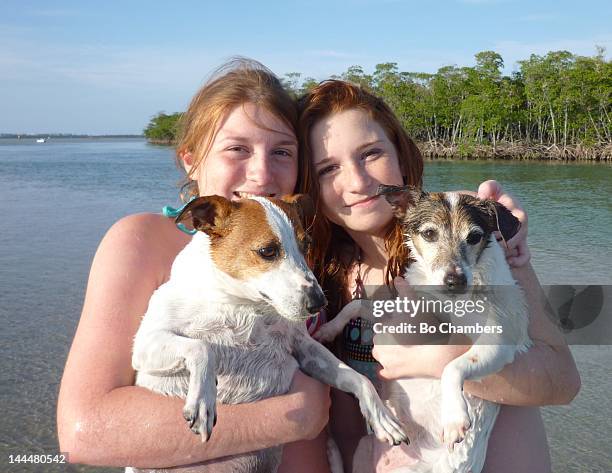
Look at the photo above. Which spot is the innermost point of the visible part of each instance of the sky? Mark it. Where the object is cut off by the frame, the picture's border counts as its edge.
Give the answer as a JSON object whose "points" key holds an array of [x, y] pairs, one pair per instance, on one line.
{"points": [[107, 67]]}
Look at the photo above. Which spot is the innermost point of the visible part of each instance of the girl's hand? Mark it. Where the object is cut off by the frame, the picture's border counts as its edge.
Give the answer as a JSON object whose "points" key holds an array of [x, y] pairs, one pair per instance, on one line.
{"points": [[517, 252], [415, 360]]}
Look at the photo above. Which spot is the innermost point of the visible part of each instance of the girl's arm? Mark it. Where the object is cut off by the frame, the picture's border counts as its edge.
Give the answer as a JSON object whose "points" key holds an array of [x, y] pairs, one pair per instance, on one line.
{"points": [[306, 456], [104, 420], [546, 373]]}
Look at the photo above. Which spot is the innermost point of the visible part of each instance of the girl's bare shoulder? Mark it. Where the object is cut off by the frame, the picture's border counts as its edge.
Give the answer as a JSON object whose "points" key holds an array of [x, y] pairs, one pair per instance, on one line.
{"points": [[148, 228], [152, 239], [144, 222]]}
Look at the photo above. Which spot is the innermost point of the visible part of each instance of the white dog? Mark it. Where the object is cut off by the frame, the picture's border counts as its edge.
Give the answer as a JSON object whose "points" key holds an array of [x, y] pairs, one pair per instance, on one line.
{"points": [[451, 241], [229, 325]]}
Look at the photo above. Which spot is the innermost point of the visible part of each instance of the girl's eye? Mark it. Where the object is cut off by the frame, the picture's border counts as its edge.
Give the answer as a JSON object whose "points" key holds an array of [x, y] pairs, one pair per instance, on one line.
{"points": [[236, 148], [326, 170], [283, 152], [372, 152]]}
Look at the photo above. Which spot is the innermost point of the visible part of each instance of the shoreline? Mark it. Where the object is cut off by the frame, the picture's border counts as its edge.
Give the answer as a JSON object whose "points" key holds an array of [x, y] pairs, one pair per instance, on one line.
{"points": [[516, 151], [161, 142], [61, 136], [433, 150]]}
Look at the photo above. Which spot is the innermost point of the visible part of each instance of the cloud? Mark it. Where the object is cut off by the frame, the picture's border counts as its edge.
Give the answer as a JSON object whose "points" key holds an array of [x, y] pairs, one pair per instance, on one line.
{"points": [[513, 51], [139, 68], [100, 66]]}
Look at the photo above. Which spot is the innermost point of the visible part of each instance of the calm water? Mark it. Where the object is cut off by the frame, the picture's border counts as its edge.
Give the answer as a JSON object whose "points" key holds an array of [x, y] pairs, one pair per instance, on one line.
{"points": [[59, 198]]}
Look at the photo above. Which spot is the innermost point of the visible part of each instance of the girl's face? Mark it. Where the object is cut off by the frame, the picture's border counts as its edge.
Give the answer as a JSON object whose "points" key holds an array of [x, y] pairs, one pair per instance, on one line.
{"points": [[352, 156], [253, 153]]}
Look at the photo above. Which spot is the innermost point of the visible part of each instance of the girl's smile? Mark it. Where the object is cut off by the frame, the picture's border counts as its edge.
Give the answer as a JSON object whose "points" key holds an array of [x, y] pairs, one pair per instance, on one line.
{"points": [[365, 202]]}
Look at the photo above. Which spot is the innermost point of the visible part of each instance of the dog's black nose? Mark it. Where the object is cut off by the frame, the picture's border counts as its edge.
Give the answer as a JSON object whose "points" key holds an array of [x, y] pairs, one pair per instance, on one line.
{"points": [[316, 301], [455, 282]]}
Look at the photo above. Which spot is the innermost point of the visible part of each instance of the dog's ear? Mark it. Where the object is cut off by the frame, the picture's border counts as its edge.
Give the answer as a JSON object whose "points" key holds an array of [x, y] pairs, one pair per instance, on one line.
{"points": [[206, 214], [400, 197], [501, 219], [304, 206]]}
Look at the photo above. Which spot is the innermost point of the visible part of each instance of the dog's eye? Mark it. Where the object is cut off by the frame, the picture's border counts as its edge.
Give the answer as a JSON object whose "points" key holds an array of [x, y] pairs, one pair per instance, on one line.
{"points": [[473, 238], [430, 235], [268, 252]]}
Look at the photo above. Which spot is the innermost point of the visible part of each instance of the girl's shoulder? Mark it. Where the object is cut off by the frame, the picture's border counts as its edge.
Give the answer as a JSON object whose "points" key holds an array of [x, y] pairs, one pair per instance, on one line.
{"points": [[148, 228], [143, 229], [144, 221], [152, 238]]}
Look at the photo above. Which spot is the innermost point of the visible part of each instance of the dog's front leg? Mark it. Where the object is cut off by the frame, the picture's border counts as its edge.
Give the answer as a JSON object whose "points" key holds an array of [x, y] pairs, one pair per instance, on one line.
{"points": [[161, 352], [479, 361], [317, 361]]}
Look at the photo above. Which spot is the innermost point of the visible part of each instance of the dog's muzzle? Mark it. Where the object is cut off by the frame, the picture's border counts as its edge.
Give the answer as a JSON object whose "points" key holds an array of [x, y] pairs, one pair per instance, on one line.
{"points": [[455, 282], [315, 300]]}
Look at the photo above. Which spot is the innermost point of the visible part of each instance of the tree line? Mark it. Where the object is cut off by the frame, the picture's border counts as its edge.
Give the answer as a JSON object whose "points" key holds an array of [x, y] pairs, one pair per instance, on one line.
{"points": [[555, 106], [163, 128]]}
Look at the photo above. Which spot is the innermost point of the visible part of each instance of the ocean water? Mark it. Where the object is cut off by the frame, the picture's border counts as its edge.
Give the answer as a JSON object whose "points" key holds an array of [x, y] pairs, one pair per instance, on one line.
{"points": [[59, 198]]}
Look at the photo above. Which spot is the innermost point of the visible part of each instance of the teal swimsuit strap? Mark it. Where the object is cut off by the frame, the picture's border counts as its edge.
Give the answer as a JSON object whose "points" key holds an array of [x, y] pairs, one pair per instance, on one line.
{"points": [[171, 212]]}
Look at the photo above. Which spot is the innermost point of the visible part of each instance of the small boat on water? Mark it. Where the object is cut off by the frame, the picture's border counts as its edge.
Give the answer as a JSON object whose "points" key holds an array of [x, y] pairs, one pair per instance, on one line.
{"points": [[42, 140]]}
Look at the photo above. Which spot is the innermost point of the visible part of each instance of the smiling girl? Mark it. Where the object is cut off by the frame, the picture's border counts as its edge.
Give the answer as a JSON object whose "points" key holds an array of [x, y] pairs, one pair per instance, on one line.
{"points": [[238, 140], [352, 143]]}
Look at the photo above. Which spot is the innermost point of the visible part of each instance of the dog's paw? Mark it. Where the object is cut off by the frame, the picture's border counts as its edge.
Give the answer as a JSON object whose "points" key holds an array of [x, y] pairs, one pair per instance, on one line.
{"points": [[387, 428], [200, 410], [454, 429], [327, 332]]}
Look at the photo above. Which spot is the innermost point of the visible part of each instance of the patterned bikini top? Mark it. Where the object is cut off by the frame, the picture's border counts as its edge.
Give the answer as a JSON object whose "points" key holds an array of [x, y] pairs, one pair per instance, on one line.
{"points": [[358, 334]]}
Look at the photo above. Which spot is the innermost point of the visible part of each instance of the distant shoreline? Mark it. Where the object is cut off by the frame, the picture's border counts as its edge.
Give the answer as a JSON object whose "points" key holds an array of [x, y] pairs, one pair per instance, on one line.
{"points": [[431, 150], [17, 136], [516, 151]]}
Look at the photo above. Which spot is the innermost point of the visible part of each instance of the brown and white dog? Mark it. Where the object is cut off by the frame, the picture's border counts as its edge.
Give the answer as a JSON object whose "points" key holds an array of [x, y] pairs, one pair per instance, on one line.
{"points": [[229, 325], [452, 244]]}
